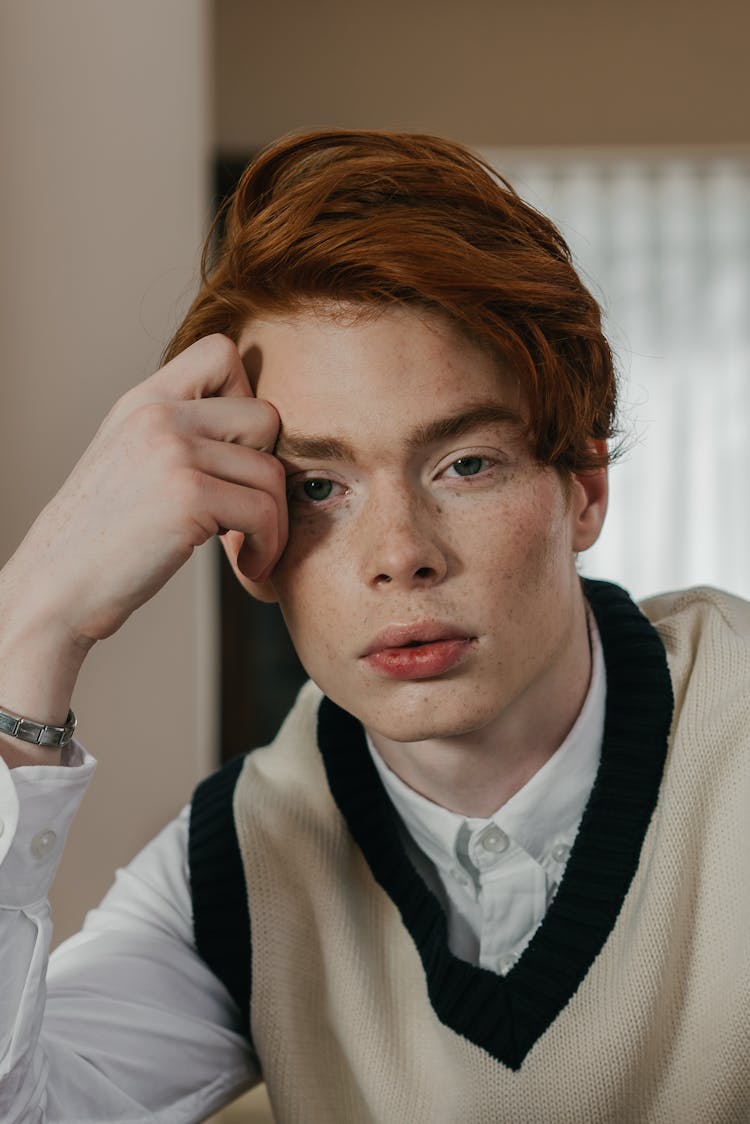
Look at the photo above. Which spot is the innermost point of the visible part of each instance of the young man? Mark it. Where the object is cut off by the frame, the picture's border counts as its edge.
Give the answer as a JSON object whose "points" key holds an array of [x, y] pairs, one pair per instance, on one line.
{"points": [[492, 868]]}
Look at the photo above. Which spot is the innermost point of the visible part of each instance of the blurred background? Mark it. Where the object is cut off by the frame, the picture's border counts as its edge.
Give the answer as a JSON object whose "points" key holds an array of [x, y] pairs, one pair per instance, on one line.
{"points": [[122, 122]]}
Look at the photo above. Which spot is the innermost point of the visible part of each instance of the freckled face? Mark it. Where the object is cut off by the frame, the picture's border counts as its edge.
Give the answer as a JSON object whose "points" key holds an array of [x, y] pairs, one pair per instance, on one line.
{"points": [[429, 581]]}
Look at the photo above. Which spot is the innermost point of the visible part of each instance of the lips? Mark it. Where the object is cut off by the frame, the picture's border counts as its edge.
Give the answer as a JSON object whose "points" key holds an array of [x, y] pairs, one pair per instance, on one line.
{"points": [[418, 651]]}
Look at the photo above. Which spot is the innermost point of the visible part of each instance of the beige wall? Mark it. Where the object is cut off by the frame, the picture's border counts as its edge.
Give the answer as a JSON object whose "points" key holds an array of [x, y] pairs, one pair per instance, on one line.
{"points": [[105, 141], [488, 72]]}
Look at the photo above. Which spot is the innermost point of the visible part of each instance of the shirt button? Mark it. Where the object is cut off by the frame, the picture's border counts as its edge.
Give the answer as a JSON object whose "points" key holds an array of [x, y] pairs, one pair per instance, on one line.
{"points": [[43, 843], [494, 840], [560, 852]]}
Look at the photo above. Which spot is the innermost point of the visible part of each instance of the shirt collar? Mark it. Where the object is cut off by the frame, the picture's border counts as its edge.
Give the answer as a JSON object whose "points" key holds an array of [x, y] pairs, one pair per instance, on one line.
{"points": [[544, 813]]}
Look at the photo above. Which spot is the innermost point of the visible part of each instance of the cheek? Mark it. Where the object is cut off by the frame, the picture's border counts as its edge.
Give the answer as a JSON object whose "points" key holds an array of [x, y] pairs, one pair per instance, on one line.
{"points": [[548, 543], [531, 524], [308, 588], [302, 567], [532, 563], [309, 536]]}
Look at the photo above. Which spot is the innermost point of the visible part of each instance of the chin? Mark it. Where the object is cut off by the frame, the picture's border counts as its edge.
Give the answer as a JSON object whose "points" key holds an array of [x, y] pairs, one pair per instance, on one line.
{"points": [[426, 723], [421, 710]]}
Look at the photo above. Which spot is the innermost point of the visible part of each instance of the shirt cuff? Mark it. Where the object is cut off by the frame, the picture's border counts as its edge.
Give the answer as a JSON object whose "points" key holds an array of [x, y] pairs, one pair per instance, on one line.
{"points": [[37, 806]]}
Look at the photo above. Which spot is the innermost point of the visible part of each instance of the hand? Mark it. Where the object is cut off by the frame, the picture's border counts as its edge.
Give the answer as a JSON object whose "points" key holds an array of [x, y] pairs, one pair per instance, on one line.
{"points": [[181, 457]]}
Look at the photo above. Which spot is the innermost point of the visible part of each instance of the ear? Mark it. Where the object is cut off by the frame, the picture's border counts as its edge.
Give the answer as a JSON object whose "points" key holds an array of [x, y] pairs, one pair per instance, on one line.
{"points": [[240, 560], [589, 492]]}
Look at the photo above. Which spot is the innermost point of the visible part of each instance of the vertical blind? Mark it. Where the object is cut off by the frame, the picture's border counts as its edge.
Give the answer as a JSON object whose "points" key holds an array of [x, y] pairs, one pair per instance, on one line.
{"points": [[663, 241]]}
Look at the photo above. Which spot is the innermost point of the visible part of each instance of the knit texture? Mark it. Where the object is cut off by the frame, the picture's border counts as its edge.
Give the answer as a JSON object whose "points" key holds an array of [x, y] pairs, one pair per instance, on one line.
{"points": [[631, 1001]]}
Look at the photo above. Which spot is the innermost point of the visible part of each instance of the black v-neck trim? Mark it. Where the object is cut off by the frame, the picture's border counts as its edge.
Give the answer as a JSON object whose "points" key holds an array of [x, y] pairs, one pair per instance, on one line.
{"points": [[506, 1015], [221, 920]]}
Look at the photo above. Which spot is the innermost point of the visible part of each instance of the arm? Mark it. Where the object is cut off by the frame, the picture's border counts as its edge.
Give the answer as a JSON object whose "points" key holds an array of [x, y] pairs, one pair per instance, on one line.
{"points": [[180, 458], [135, 1026]]}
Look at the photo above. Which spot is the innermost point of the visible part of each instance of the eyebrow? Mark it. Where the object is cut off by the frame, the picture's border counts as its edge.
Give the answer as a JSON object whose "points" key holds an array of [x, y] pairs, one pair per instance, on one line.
{"points": [[455, 425], [313, 447]]}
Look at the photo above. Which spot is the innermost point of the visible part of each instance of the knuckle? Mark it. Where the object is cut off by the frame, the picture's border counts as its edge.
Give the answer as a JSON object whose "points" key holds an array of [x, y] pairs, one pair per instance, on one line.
{"points": [[172, 448], [218, 348], [153, 418], [156, 430], [187, 492]]}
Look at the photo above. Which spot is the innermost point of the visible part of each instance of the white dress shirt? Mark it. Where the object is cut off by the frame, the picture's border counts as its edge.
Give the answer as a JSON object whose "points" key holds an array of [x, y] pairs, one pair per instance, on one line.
{"points": [[496, 877], [136, 1027]]}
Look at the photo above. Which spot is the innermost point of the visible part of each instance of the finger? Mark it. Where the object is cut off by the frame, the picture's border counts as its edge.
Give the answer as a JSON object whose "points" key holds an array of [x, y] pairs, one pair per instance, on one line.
{"points": [[254, 471], [238, 465], [210, 366], [252, 422], [257, 515]]}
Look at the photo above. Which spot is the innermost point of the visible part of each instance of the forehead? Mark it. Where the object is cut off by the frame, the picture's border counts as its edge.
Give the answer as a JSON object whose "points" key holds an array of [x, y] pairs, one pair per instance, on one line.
{"points": [[342, 370]]}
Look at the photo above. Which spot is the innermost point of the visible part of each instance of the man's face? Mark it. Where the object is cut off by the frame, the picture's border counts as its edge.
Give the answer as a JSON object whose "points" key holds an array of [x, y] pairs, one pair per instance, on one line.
{"points": [[429, 581]]}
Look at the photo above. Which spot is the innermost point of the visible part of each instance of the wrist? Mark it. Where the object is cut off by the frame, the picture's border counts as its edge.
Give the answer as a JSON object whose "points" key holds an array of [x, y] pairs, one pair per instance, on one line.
{"points": [[39, 660]]}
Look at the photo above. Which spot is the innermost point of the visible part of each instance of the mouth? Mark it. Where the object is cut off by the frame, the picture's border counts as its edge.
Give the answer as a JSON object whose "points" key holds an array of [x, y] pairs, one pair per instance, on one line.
{"points": [[420, 651]]}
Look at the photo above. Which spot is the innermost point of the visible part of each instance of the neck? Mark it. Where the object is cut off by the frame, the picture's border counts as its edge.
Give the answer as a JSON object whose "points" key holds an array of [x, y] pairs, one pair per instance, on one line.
{"points": [[475, 773]]}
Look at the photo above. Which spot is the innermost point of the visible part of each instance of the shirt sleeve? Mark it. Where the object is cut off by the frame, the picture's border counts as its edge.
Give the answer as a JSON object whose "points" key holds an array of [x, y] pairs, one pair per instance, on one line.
{"points": [[129, 1023]]}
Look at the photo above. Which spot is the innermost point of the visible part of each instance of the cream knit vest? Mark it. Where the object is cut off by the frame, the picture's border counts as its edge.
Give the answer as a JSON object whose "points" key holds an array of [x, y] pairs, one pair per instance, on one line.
{"points": [[655, 1031]]}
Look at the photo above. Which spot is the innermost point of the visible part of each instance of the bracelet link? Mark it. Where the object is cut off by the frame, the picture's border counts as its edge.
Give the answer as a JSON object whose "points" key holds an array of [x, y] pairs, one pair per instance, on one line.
{"points": [[37, 733], [29, 731]]}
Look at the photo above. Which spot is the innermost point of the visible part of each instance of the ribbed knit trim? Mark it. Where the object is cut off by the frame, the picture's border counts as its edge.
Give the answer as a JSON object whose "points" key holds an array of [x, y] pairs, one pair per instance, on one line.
{"points": [[506, 1015], [221, 920]]}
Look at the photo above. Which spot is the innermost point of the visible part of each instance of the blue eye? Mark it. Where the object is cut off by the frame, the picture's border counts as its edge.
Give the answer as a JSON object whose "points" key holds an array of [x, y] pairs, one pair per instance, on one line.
{"points": [[317, 489], [468, 466]]}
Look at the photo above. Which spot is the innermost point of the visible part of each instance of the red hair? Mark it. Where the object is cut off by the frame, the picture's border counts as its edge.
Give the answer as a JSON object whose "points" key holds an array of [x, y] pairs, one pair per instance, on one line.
{"points": [[382, 218]]}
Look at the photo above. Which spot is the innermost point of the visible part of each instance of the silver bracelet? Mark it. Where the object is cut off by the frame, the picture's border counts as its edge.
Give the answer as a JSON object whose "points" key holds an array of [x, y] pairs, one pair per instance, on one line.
{"points": [[38, 733]]}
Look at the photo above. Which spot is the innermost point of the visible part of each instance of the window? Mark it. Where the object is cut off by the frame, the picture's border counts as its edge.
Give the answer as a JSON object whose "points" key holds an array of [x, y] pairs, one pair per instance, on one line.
{"points": [[663, 240]]}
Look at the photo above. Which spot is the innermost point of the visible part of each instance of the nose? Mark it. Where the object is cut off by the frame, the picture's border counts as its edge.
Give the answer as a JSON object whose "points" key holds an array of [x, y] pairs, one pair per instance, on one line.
{"points": [[400, 544]]}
